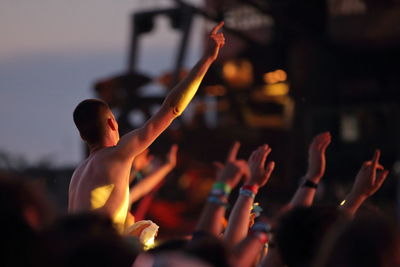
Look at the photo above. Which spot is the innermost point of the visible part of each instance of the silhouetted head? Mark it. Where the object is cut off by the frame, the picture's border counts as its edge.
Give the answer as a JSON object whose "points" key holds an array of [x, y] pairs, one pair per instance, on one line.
{"points": [[23, 204], [300, 233], [88, 240], [24, 210], [369, 241], [95, 122], [209, 249]]}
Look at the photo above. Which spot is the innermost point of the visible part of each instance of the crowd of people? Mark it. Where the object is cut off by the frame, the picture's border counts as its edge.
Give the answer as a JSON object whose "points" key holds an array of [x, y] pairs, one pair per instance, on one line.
{"points": [[100, 230]]}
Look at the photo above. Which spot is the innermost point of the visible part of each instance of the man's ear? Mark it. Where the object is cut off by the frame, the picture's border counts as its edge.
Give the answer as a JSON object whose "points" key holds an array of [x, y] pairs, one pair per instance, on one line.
{"points": [[110, 123]]}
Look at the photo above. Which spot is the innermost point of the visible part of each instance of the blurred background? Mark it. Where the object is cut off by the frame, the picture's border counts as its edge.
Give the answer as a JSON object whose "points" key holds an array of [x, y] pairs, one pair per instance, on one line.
{"points": [[290, 69]]}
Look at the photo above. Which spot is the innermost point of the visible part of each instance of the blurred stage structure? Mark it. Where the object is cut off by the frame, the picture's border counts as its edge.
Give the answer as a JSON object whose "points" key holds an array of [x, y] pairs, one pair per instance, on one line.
{"points": [[290, 69]]}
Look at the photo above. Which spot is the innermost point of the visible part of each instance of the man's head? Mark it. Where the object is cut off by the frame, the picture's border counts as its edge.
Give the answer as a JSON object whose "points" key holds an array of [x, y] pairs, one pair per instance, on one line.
{"points": [[95, 121], [301, 231]]}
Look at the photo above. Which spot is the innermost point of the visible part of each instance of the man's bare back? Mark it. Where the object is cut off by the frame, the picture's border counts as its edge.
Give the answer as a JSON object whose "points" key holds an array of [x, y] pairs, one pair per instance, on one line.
{"points": [[101, 183]]}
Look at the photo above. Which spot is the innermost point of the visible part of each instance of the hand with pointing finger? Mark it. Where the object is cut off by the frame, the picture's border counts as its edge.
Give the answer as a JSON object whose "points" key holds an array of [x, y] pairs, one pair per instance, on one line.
{"points": [[217, 40], [370, 177], [368, 180]]}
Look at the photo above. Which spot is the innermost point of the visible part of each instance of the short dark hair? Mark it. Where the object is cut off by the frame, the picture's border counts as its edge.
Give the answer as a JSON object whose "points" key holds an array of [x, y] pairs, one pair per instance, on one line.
{"points": [[88, 119]]}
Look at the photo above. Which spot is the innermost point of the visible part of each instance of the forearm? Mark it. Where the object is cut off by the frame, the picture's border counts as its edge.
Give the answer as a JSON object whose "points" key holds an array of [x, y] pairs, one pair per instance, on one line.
{"points": [[272, 259], [211, 219], [178, 99], [303, 197], [249, 250], [352, 203], [238, 224], [305, 193], [147, 184]]}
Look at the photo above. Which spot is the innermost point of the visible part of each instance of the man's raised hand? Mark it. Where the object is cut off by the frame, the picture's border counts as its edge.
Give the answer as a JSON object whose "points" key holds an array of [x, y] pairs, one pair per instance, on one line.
{"points": [[370, 177], [316, 157], [260, 173], [217, 40]]}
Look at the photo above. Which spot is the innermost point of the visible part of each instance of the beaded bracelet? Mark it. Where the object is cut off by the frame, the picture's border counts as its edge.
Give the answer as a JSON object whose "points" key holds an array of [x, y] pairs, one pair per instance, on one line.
{"points": [[247, 193], [220, 189], [261, 227], [262, 237], [252, 188], [216, 200]]}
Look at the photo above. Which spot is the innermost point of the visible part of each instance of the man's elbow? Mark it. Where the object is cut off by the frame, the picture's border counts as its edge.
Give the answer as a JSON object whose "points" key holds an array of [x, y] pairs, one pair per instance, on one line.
{"points": [[176, 111]]}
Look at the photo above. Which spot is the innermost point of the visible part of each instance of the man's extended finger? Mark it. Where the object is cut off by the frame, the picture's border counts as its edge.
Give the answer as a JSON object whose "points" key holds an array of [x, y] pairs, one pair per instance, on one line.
{"points": [[233, 152], [173, 149], [217, 28], [377, 155]]}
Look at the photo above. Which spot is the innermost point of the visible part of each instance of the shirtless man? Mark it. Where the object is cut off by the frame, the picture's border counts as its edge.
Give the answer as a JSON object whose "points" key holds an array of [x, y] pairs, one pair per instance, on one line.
{"points": [[101, 182]]}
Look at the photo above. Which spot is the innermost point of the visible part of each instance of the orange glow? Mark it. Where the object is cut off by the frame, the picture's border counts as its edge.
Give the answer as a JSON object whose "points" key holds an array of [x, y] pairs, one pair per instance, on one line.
{"points": [[276, 89], [215, 90], [275, 76], [238, 73]]}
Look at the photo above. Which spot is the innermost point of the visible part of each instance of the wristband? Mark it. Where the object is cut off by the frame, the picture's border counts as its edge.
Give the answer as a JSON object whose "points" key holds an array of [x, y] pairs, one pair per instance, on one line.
{"points": [[310, 184], [252, 188], [247, 193], [261, 227], [256, 209], [216, 200], [262, 237], [220, 189]]}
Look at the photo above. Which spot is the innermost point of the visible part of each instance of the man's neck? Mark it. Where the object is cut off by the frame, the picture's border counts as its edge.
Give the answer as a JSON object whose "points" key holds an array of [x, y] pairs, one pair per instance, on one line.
{"points": [[95, 147], [106, 142]]}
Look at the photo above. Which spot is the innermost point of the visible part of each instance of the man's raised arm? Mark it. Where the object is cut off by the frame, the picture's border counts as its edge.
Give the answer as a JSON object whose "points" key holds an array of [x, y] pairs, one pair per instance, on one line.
{"points": [[174, 104]]}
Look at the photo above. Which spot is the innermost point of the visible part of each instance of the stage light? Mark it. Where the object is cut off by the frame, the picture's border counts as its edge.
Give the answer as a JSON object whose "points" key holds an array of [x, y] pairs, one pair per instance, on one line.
{"points": [[275, 76], [276, 89], [280, 75], [238, 73]]}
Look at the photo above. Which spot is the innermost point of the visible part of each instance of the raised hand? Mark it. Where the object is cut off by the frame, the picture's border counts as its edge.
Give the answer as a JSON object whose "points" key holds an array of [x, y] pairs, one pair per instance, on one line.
{"points": [[316, 157], [259, 173], [217, 40], [370, 177], [172, 155], [234, 168]]}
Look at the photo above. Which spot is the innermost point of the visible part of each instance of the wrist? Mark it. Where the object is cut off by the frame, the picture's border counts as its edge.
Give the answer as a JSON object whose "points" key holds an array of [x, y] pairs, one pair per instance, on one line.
{"points": [[253, 187], [221, 188], [309, 184], [218, 200], [355, 196], [169, 166], [313, 178], [208, 58], [249, 191]]}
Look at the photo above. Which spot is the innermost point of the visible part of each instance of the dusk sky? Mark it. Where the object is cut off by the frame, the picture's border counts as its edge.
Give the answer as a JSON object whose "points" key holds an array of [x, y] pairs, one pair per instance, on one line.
{"points": [[52, 51]]}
